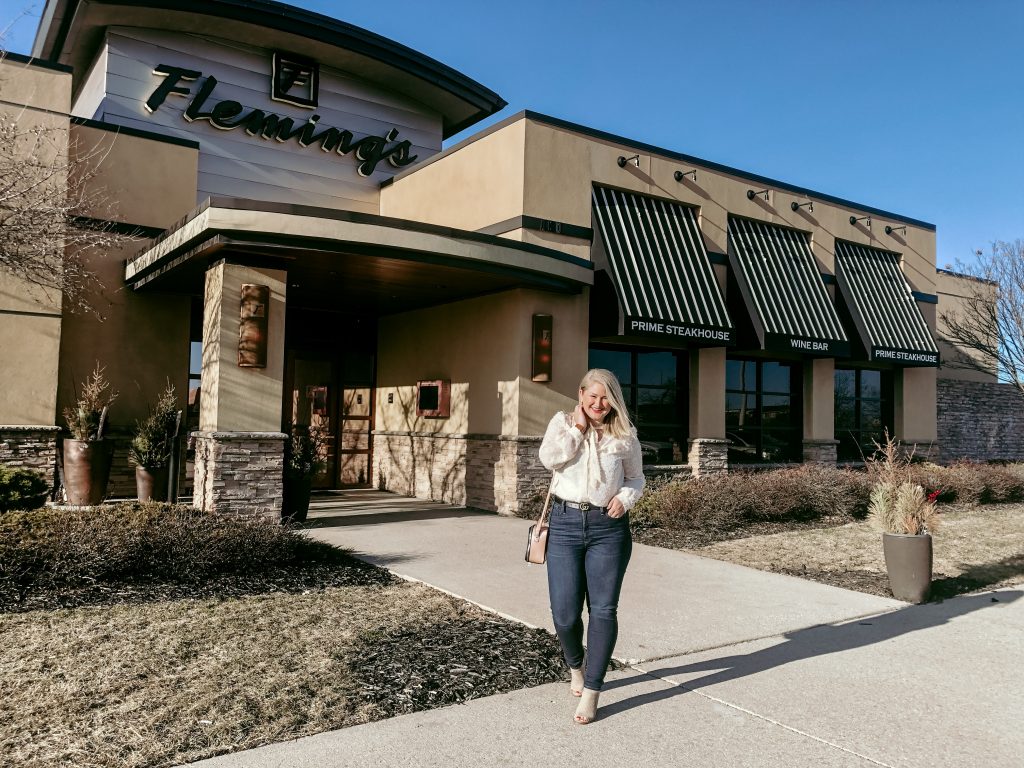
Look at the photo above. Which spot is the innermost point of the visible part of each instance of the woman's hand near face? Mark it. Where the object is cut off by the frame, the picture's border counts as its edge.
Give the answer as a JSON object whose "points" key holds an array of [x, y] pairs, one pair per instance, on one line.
{"points": [[580, 418], [615, 508]]}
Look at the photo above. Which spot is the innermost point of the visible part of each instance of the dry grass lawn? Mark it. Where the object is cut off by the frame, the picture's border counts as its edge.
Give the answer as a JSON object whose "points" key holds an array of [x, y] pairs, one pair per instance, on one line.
{"points": [[169, 682], [977, 546]]}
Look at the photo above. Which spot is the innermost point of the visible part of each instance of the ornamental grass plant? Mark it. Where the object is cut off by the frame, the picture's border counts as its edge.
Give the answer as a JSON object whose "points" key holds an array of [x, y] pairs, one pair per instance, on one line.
{"points": [[899, 504]]}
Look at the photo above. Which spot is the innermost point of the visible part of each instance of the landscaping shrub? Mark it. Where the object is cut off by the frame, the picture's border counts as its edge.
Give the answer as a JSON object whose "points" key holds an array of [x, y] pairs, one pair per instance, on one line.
{"points": [[738, 499], [21, 488], [969, 482], [53, 548]]}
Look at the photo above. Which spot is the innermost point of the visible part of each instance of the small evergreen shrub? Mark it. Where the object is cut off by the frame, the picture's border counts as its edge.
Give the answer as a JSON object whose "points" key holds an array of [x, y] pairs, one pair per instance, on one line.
{"points": [[21, 488], [152, 443]]}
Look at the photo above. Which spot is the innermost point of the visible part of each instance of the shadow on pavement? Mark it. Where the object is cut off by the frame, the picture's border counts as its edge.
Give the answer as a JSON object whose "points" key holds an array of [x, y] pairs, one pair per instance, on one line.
{"points": [[327, 520], [364, 506], [808, 643]]}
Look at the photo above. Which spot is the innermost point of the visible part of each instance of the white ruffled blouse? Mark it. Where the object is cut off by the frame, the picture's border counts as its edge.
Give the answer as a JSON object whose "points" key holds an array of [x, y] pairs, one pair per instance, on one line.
{"points": [[588, 469]]}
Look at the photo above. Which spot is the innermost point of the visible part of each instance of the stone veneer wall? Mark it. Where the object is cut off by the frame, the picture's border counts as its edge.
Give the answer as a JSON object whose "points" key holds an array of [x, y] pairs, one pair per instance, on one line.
{"points": [[240, 473], [30, 447], [497, 473], [708, 456], [821, 451], [979, 420]]}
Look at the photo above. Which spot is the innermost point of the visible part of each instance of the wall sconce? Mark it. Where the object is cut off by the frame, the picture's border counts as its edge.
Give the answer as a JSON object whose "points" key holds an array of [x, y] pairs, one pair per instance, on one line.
{"points": [[635, 160], [751, 194], [795, 206], [865, 219], [252, 326], [680, 175], [542, 352], [889, 229]]}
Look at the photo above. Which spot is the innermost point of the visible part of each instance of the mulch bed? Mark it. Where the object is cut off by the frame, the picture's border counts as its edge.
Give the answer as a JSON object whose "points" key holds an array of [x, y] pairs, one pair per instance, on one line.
{"points": [[408, 671], [348, 573]]}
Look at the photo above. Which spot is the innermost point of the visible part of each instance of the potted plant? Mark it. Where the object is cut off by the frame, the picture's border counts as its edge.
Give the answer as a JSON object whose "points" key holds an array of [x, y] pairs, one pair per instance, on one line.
{"points": [[86, 454], [906, 515], [150, 449], [304, 453]]}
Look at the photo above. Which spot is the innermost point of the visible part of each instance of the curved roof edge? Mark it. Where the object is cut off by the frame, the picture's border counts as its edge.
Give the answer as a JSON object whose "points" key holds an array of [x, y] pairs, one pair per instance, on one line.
{"points": [[479, 102]]}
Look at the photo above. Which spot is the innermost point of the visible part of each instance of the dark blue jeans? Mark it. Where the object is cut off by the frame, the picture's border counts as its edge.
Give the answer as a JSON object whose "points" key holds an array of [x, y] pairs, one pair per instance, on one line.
{"points": [[587, 557]]}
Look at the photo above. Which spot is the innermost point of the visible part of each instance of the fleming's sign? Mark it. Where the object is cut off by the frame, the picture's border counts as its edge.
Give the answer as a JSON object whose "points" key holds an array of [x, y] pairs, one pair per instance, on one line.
{"points": [[290, 73]]}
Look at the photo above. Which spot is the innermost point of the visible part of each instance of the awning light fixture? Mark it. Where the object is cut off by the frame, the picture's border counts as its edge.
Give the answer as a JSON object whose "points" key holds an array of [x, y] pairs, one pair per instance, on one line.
{"points": [[680, 175], [889, 229], [795, 206], [865, 219], [751, 194], [635, 160]]}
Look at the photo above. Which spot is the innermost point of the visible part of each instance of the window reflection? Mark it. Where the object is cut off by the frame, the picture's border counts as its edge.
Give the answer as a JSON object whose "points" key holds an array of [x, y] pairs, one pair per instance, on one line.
{"points": [[655, 390], [863, 409], [762, 423]]}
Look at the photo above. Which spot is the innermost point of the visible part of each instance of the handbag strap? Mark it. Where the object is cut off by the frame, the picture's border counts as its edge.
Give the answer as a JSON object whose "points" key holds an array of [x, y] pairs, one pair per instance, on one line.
{"points": [[547, 507]]}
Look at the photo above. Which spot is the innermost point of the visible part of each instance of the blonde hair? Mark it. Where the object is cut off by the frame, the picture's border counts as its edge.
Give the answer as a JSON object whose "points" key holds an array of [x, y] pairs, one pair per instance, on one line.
{"points": [[617, 422]]}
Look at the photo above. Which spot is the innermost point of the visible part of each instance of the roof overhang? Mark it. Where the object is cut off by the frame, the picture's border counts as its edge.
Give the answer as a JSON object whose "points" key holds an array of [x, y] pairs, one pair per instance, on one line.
{"points": [[71, 31], [342, 256]]}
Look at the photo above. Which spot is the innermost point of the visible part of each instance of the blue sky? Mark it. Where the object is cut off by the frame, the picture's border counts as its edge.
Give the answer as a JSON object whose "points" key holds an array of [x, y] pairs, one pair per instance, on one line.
{"points": [[912, 106]]}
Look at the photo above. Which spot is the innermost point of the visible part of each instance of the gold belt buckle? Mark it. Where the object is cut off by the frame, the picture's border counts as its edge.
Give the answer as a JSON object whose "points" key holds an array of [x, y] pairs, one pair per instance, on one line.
{"points": [[584, 506]]}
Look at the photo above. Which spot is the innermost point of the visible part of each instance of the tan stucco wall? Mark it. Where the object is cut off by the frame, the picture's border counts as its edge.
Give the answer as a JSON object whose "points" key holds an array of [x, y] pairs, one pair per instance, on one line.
{"points": [[563, 165], [953, 292], [915, 405], [478, 185], [483, 346], [142, 339], [136, 180], [38, 87], [239, 399], [707, 393], [819, 399], [30, 318]]}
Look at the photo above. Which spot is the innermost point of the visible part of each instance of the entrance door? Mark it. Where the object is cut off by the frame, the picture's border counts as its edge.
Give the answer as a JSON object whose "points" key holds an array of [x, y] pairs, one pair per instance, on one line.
{"points": [[356, 418], [312, 401], [334, 395]]}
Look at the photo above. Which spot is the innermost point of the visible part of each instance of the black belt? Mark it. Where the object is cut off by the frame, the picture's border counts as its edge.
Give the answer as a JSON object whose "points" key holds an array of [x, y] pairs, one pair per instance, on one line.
{"points": [[582, 506]]}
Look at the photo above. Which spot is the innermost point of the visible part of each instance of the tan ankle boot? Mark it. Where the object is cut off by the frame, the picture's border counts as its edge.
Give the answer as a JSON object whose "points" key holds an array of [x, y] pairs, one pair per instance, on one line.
{"points": [[576, 681], [586, 711]]}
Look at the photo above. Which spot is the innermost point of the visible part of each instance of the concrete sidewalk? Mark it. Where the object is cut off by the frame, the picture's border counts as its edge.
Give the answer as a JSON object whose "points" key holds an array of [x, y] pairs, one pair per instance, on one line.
{"points": [[731, 666]]}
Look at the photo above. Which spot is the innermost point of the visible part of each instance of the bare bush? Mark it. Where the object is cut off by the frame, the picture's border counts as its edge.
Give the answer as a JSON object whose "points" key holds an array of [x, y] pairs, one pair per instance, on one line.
{"points": [[53, 217]]}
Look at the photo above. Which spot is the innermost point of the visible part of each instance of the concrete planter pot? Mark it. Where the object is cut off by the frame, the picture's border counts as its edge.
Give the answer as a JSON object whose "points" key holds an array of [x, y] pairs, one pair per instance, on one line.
{"points": [[151, 484], [908, 560], [87, 470]]}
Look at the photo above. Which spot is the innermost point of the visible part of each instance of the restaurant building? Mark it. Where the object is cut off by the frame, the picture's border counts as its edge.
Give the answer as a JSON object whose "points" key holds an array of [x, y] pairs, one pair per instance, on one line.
{"points": [[306, 253]]}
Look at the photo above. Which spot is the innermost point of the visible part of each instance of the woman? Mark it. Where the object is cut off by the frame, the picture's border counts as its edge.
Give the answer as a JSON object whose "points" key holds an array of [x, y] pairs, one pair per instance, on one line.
{"points": [[598, 476]]}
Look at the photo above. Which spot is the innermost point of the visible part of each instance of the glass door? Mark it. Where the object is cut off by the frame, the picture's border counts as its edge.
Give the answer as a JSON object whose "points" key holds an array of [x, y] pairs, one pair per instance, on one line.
{"points": [[312, 402]]}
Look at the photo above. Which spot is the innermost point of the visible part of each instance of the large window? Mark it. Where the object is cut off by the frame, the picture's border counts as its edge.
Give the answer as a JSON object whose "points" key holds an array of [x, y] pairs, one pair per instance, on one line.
{"points": [[863, 411], [762, 411], [654, 385]]}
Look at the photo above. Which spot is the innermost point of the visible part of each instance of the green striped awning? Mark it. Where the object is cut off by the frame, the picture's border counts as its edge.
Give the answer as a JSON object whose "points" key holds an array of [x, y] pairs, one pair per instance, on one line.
{"points": [[663, 278], [882, 306], [782, 287]]}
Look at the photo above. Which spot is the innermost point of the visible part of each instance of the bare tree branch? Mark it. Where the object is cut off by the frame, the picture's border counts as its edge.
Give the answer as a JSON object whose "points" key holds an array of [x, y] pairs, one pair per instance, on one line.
{"points": [[988, 323], [53, 218]]}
